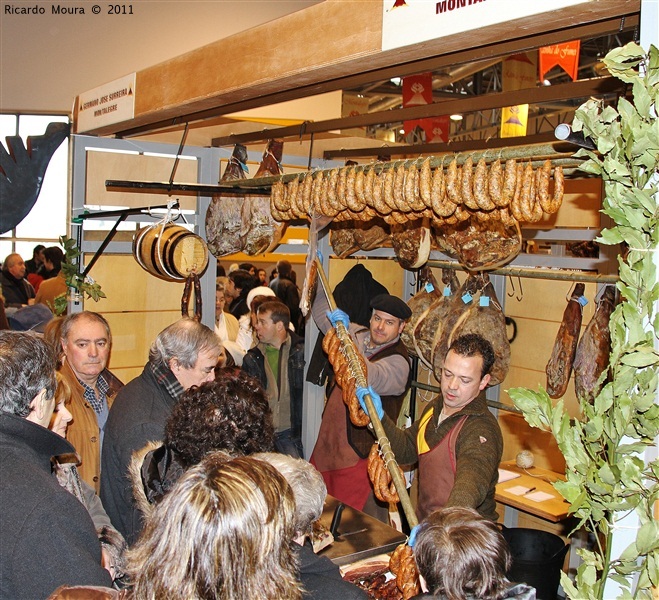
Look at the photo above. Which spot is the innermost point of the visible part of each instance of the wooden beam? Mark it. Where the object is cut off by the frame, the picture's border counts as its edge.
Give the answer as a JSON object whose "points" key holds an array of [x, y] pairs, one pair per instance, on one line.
{"points": [[465, 104], [315, 50]]}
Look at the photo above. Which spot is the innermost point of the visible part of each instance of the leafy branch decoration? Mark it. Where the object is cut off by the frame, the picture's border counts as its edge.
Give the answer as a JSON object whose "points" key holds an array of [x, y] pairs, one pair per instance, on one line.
{"points": [[70, 266], [606, 474]]}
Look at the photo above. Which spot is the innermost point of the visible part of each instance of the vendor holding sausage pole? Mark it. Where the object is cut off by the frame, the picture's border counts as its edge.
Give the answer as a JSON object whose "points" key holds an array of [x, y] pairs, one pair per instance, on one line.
{"points": [[457, 441], [342, 449]]}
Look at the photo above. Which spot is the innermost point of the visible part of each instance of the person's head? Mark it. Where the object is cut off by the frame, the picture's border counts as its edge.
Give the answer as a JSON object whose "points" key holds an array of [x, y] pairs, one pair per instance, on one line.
{"points": [[53, 258], [189, 350], [272, 319], [223, 532], [284, 269], [240, 282], [256, 303], [220, 297], [388, 318], [27, 377], [229, 414], [308, 488], [37, 253], [262, 276], [61, 418], [460, 554], [86, 342], [249, 267], [14, 265], [466, 371]]}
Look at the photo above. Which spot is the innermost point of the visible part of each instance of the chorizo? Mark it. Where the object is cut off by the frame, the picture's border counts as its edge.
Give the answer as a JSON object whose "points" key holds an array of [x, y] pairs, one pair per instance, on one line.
{"points": [[509, 182], [495, 182], [425, 183], [452, 183], [515, 208], [399, 189], [278, 194], [481, 185], [388, 195], [527, 196], [467, 184]]}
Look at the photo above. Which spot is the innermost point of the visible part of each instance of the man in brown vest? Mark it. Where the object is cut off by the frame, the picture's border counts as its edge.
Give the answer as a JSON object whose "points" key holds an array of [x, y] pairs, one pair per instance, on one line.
{"points": [[457, 441], [86, 342], [342, 449]]}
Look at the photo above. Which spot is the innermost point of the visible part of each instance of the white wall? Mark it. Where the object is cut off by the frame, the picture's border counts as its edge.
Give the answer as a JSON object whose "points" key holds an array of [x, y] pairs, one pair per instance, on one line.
{"points": [[47, 60]]}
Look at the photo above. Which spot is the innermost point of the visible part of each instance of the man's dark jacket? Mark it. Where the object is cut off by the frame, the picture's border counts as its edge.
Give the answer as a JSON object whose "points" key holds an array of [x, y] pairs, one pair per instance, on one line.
{"points": [[138, 415], [254, 365], [322, 579], [16, 291], [47, 537]]}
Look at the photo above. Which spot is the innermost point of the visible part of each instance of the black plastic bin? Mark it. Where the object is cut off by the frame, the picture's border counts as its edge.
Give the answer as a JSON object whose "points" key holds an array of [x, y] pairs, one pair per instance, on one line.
{"points": [[538, 558]]}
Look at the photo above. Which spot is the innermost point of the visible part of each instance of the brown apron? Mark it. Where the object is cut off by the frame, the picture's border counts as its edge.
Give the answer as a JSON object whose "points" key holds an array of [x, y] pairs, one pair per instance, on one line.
{"points": [[437, 468]]}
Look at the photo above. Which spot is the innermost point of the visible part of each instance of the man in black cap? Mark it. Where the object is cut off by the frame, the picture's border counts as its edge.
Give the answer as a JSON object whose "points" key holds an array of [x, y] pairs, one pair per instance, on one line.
{"points": [[342, 449]]}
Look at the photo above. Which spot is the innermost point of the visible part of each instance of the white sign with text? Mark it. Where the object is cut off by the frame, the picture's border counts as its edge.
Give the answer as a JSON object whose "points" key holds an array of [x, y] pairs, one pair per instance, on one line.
{"points": [[111, 103], [407, 22]]}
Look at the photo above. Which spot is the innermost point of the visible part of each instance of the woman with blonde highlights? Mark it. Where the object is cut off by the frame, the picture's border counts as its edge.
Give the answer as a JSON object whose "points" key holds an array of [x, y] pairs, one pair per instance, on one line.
{"points": [[223, 532]]}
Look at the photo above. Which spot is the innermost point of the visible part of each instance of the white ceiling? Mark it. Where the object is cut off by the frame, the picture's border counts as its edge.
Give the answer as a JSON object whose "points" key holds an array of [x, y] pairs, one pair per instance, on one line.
{"points": [[47, 60]]}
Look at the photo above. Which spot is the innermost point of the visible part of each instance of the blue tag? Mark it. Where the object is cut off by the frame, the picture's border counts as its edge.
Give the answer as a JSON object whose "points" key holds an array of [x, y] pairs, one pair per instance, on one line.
{"points": [[447, 291], [484, 301], [467, 298], [244, 167], [430, 287], [582, 300]]}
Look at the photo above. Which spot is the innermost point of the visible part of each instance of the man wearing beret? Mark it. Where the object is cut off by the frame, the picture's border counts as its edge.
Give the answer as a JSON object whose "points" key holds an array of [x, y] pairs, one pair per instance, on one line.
{"points": [[342, 449]]}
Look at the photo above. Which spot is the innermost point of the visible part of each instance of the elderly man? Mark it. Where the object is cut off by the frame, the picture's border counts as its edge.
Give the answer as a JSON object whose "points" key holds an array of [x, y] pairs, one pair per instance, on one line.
{"points": [[342, 449], [86, 341], [47, 537], [457, 441], [17, 290], [278, 363], [320, 577], [183, 354]]}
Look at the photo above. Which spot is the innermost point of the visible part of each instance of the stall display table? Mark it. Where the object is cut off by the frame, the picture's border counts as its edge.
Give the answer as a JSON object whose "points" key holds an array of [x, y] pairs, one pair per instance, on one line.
{"points": [[531, 491], [359, 535]]}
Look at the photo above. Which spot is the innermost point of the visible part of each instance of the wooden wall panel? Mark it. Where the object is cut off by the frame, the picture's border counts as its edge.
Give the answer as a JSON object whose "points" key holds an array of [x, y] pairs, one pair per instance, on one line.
{"points": [[132, 167]]}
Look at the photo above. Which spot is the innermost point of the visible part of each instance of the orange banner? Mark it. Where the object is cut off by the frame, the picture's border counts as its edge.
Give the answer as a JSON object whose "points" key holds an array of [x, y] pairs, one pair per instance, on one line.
{"points": [[565, 56]]}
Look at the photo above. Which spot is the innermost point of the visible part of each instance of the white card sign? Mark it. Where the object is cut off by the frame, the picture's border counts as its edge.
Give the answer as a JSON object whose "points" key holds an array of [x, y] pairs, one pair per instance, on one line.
{"points": [[406, 22], [111, 103]]}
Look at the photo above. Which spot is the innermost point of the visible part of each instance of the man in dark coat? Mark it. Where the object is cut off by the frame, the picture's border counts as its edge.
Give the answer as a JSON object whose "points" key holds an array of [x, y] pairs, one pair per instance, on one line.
{"points": [[47, 537], [17, 290], [184, 354]]}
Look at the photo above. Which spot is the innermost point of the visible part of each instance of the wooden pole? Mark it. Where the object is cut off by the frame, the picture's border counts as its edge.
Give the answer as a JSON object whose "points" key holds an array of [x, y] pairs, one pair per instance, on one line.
{"points": [[356, 371]]}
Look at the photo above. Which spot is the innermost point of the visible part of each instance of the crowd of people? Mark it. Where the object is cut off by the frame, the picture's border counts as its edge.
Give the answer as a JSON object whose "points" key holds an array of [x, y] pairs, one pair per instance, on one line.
{"points": [[190, 481]]}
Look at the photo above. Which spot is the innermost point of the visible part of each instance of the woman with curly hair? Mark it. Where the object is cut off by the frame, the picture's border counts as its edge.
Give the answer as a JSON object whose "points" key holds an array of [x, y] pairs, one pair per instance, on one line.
{"points": [[229, 414]]}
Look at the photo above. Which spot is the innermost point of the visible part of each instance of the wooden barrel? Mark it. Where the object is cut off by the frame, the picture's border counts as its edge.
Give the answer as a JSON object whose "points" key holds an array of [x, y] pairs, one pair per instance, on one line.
{"points": [[170, 252]]}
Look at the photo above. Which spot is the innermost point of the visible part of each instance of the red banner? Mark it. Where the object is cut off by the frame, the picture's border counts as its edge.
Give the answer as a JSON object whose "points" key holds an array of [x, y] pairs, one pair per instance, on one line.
{"points": [[417, 91], [565, 56]]}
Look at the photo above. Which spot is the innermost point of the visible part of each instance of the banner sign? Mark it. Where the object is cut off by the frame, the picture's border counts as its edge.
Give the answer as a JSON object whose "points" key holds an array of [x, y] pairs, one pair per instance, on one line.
{"points": [[111, 103], [518, 71], [417, 90], [407, 22], [566, 56]]}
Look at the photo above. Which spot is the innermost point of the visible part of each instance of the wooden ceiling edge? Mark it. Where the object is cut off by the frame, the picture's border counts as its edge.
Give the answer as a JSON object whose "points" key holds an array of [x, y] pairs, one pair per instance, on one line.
{"points": [[464, 104], [492, 51], [440, 148], [606, 16]]}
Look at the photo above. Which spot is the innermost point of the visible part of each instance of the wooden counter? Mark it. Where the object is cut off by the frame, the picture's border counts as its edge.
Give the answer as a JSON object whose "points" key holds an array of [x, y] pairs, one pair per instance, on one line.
{"points": [[554, 509]]}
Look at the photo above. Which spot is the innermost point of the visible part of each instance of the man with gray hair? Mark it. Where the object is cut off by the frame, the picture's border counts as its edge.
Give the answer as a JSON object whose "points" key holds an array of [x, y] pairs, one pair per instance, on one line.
{"points": [[86, 341], [183, 354], [47, 537], [320, 577]]}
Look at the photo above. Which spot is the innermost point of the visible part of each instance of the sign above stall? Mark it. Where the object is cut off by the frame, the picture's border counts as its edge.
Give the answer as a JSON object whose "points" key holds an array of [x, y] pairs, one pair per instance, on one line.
{"points": [[406, 22], [110, 103]]}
